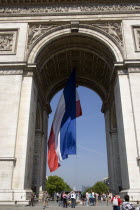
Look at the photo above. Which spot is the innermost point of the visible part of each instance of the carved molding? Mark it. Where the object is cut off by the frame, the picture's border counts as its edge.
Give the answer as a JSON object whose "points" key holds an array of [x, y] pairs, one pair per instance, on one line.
{"points": [[8, 40], [36, 31], [136, 33], [113, 29], [73, 8], [123, 72], [28, 73], [134, 70], [11, 72], [35, 2], [7, 159]]}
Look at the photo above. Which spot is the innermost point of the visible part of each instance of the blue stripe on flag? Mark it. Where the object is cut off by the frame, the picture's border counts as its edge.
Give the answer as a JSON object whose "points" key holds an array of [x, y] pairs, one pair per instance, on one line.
{"points": [[68, 124]]}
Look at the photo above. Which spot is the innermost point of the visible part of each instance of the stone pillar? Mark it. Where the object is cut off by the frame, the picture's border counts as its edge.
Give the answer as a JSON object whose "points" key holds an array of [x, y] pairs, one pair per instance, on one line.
{"points": [[40, 152], [10, 90], [116, 172], [112, 154], [22, 175], [134, 81], [126, 125], [37, 161], [44, 152]]}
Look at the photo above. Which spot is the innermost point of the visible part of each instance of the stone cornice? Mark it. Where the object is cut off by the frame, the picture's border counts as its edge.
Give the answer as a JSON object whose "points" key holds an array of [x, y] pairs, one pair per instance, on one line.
{"points": [[96, 7], [7, 159], [44, 2]]}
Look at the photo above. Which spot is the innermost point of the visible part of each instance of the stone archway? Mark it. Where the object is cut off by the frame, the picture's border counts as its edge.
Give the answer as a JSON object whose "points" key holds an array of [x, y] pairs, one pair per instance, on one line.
{"points": [[93, 55], [37, 56]]}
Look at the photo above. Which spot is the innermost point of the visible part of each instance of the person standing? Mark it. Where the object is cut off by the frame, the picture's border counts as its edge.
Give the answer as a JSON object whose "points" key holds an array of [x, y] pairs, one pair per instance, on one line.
{"points": [[97, 199], [93, 199], [73, 199], [126, 205], [61, 199], [57, 197], [107, 198], [87, 199], [45, 199], [90, 199], [116, 201], [65, 204], [32, 199], [83, 198]]}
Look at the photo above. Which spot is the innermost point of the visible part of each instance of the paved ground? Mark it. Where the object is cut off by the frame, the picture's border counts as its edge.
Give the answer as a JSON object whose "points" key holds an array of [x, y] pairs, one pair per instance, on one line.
{"points": [[54, 206]]}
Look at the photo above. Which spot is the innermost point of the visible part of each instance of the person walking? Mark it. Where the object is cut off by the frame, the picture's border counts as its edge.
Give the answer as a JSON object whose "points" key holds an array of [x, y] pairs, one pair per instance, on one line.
{"points": [[116, 201], [73, 199], [45, 199]]}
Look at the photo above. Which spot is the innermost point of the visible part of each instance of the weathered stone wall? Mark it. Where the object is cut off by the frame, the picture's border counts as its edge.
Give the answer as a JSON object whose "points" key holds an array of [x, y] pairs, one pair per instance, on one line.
{"points": [[10, 87]]}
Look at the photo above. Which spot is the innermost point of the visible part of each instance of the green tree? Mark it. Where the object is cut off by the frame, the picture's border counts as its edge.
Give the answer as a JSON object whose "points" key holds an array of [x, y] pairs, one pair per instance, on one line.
{"points": [[56, 184], [100, 188], [67, 187]]}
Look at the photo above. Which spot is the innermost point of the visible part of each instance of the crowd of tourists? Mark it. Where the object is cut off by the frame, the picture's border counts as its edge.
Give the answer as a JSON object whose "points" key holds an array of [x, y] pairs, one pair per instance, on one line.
{"points": [[92, 199], [68, 199], [71, 199]]}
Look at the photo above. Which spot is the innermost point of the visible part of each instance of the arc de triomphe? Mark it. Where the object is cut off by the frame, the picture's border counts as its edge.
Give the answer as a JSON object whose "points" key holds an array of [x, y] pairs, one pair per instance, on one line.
{"points": [[40, 42]]}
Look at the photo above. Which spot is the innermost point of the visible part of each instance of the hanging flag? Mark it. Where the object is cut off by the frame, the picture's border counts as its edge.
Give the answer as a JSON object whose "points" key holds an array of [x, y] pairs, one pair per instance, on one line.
{"points": [[62, 140]]}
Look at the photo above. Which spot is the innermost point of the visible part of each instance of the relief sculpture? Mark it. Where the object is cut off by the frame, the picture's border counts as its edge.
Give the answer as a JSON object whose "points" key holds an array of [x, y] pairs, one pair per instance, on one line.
{"points": [[113, 29], [138, 37], [36, 31], [136, 31], [6, 42], [101, 8]]}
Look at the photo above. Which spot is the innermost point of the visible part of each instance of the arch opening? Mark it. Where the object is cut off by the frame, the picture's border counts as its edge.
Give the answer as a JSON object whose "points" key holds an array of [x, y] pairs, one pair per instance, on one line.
{"points": [[91, 144], [92, 58]]}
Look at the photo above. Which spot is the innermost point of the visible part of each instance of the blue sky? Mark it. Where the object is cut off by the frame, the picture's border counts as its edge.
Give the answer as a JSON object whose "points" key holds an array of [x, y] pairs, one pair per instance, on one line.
{"points": [[90, 163]]}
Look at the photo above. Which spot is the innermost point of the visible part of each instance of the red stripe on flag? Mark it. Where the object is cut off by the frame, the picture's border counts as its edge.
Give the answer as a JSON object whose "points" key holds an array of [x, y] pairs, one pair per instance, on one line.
{"points": [[78, 109], [52, 156]]}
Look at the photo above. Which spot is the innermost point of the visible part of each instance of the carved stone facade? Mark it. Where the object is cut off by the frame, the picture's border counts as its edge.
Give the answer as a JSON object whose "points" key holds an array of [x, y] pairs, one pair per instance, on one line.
{"points": [[63, 9], [8, 41], [114, 29], [111, 28], [136, 31], [40, 43], [35, 31]]}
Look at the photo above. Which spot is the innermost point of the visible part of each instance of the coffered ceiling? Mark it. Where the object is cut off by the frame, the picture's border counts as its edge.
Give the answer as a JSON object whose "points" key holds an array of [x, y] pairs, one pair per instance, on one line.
{"points": [[92, 60]]}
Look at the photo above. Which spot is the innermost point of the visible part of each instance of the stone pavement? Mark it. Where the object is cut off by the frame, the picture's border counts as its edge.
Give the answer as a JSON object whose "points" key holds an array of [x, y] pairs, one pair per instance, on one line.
{"points": [[54, 206]]}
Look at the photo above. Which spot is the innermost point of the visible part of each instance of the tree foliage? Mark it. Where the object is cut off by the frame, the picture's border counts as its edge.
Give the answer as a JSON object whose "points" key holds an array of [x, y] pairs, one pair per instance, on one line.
{"points": [[56, 184], [99, 188]]}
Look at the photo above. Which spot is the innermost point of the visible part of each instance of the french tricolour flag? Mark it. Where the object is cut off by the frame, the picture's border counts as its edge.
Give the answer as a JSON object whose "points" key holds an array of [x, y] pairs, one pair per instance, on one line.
{"points": [[62, 140]]}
